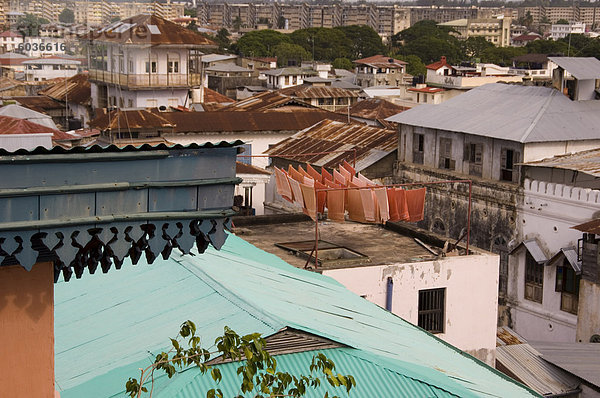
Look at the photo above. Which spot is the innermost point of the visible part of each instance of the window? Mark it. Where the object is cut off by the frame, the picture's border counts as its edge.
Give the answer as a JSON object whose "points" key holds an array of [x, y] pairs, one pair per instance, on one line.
{"points": [[431, 309], [418, 148], [150, 66], [534, 278], [507, 165], [474, 155], [567, 282], [151, 103], [446, 161], [245, 155], [500, 247], [173, 67]]}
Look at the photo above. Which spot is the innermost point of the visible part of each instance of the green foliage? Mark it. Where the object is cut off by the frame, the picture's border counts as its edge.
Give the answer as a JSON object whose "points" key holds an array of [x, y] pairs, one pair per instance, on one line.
{"points": [[286, 52], [415, 65], [429, 42], [342, 63], [501, 55], [260, 43], [29, 25], [222, 39], [258, 369], [326, 44], [473, 47], [365, 42], [562, 22], [547, 47], [67, 16], [190, 12]]}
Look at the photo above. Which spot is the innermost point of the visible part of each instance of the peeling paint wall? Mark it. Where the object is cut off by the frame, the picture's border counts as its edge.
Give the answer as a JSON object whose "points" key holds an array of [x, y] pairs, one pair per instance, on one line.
{"points": [[589, 297], [471, 306]]}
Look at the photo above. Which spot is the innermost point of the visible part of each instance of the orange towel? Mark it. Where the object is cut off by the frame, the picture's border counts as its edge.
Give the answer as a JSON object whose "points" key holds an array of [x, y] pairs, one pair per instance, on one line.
{"points": [[355, 206], [366, 180], [366, 196], [350, 169], [345, 173], [335, 205], [309, 181], [321, 197], [283, 185], [313, 173], [310, 205], [295, 185], [415, 200], [303, 172], [393, 207], [295, 174], [326, 174], [339, 178], [383, 207]]}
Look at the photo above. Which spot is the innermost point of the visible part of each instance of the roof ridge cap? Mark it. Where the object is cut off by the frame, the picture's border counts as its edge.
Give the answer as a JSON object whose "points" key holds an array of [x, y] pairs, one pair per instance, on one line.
{"points": [[539, 115]]}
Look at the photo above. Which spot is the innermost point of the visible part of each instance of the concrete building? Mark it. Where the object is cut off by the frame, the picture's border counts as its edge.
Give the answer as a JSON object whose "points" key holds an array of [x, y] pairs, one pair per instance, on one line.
{"points": [[126, 73], [560, 31], [50, 68], [287, 77], [379, 70], [495, 30], [10, 41]]}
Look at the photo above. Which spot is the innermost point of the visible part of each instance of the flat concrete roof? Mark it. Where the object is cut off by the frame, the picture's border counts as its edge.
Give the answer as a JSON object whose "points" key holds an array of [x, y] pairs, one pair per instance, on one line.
{"points": [[381, 245]]}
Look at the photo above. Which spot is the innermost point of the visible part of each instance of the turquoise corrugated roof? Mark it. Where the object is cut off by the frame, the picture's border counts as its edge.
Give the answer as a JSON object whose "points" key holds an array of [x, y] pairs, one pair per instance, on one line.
{"points": [[106, 323]]}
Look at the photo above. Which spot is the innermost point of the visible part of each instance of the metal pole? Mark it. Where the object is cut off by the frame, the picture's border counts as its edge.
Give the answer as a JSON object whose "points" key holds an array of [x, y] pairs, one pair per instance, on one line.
{"points": [[316, 231], [469, 217]]}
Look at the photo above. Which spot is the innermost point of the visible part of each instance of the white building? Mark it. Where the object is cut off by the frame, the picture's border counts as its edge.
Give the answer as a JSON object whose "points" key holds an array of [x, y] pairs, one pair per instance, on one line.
{"points": [[286, 77], [50, 68], [9, 41], [560, 31], [146, 62], [42, 46]]}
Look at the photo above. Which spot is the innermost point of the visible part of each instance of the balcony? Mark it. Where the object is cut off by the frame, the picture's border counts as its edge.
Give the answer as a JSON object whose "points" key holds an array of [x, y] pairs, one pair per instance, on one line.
{"points": [[147, 80]]}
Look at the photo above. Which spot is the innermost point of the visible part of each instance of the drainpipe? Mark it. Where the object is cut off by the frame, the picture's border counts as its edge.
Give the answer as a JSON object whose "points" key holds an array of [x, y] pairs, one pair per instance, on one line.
{"points": [[389, 293]]}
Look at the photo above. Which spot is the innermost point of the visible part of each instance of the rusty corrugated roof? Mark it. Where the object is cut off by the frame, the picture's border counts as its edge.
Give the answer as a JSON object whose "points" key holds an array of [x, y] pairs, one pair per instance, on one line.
{"points": [[587, 162], [12, 125], [39, 103], [380, 61], [75, 89], [375, 109], [262, 102], [243, 168], [211, 96], [132, 119], [306, 91], [149, 30], [590, 227], [371, 144], [276, 120]]}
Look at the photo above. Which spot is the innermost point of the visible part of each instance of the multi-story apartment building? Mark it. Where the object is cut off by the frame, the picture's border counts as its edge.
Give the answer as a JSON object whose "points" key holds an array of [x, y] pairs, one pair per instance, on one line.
{"points": [[324, 15], [391, 20], [267, 14], [359, 14], [295, 15], [242, 14], [494, 30]]}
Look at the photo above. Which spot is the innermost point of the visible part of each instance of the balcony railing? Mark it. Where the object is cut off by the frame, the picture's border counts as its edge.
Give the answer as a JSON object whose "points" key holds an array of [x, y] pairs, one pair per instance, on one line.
{"points": [[146, 80]]}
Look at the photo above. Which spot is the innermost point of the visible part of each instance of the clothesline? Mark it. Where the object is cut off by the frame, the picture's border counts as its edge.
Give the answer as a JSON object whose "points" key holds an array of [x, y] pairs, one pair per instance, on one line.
{"points": [[382, 203], [297, 155]]}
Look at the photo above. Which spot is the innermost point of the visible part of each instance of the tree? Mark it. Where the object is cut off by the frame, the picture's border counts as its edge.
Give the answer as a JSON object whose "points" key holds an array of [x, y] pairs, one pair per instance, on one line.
{"points": [[29, 25], [562, 22], [415, 66], [190, 12], [237, 23], [222, 39], [286, 52], [258, 368], [501, 55], [342, 63], [428, 41], [473, 47], [547, 47], [260, 43], [364, 41], [324, 43], [67, 16]]}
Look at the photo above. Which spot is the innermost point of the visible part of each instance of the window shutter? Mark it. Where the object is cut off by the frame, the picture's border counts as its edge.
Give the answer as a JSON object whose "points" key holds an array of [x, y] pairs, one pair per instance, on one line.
{"points": [[467, 152], [515, 174], [503, 159]]}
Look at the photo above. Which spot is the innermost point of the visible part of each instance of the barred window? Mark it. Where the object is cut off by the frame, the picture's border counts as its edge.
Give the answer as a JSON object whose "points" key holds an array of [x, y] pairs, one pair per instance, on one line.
{"points": [[431, 309]]}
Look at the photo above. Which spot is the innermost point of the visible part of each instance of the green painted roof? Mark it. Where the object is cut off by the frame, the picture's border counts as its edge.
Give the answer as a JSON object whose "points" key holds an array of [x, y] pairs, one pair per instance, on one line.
{"points": [[107, 326]]}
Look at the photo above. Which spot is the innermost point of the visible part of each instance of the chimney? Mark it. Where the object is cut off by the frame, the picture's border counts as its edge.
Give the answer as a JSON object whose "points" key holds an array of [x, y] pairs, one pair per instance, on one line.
{"points": [[443, 59]]}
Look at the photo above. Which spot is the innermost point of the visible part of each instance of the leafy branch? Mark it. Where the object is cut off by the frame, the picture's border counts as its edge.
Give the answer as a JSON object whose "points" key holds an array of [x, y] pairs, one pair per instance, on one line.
{"points": [[258, 369]]}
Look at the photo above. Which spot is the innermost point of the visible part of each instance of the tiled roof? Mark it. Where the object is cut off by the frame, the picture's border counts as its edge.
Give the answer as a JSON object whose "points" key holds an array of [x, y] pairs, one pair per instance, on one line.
{"points": [[10, 33], [76, 89], [371, 144], [107, 326], [429, 90], [148, 29], [439, 64]]}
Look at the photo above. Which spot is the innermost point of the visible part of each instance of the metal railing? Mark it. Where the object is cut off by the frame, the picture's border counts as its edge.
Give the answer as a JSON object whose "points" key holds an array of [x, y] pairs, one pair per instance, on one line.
{"points": [[146, 79]]}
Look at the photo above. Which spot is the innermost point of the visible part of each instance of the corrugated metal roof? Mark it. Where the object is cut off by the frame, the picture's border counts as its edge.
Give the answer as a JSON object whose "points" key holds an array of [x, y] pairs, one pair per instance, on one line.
{"points": [[228, 68], [510, 112], [12, 155], [570, 253], [371, 144], [587, 162], [76, 89], [375, 109], [306, 91], [591, 227], [243, 168], [211, 96], [109, 325], [380, 61], [13, 125], [135, 31], [131, 119], [581, 359], [528, 367], [372, 378], [21, 112], [533, 247], [207, 122], [39, 103], [582, 68], [507, 336], [261, 102]]}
